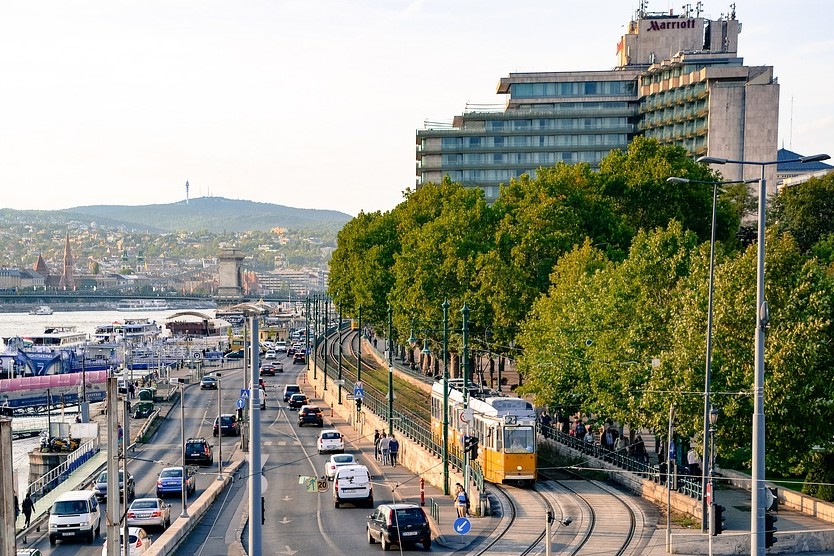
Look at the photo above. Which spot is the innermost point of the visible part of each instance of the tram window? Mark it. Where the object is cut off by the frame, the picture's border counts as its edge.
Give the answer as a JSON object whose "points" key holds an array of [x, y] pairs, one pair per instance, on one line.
{"points": [[519, 440]]}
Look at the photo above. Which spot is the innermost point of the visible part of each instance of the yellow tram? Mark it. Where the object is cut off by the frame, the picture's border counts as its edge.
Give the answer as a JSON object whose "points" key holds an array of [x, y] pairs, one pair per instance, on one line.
{"points": [[505, 427]]}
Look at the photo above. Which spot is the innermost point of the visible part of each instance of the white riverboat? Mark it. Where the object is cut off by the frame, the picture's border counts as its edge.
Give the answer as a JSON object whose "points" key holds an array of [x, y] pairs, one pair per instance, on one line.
{"points": [[41, 310], [143, 305]]}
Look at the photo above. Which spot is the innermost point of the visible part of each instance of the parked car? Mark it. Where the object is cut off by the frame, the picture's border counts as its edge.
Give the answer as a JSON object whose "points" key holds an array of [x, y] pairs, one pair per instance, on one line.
{"points": [[299, 358], [100, 488], [170, 481], [198, 452], [138, 541], [336, 461], [149, 512], [330, 441], [298, 400], [291, 389], [310, 415], [228, 423], [352, 483], [208, 383], [400, 524]]}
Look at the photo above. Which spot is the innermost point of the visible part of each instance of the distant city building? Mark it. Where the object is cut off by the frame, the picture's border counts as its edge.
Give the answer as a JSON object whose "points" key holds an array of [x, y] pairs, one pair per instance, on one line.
{"points": [[678, 80], [794, 173], [67, 281]]}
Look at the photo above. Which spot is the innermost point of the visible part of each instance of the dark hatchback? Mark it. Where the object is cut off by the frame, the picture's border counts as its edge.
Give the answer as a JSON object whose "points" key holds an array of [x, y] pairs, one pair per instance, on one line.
{"points": [[267, 369], [310, 415], [297, 400], [198, 452], [229, 425], [400, 524]]}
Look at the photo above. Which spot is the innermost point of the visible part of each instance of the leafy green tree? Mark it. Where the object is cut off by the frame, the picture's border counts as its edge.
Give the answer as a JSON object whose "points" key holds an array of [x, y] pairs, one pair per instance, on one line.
{"points": [[806, 210]]}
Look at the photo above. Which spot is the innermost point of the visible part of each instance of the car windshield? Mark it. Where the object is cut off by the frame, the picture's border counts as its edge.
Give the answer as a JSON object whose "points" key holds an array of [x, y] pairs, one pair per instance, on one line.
{"points": [[409, 516], [103, 477], [171, 473], [69, 507], [330, 436], [343, 459], [226, 420], [143, 505]]}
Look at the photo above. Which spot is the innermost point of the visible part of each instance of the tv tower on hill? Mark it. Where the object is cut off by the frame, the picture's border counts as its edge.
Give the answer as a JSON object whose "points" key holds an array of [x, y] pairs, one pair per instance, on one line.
{"points": [[186, 191]]}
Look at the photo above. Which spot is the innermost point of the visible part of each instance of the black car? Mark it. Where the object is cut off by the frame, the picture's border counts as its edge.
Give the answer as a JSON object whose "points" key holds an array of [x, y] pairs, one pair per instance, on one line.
{"points": [[208, 383], [299, 357], [237, 354], [267, 369], [198, 452], [100, 486], [310, 415], [142, 410], [297, 400], [400, 524], [230, 426]]}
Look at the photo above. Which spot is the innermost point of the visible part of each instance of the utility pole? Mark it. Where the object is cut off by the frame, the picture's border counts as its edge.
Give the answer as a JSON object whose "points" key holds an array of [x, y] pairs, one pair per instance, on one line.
{"points": [[113, 503], [255, 508], [8, 542]]}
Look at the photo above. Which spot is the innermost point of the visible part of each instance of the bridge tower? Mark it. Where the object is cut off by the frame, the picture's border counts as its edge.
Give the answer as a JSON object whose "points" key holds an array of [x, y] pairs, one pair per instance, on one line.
{"points": [[230, 283]]}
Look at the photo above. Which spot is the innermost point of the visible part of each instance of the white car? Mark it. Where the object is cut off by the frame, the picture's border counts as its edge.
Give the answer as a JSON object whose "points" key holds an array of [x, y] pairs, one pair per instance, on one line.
{"points": [[330, 441], [149, 512], [335, 462], [139, 540], [271, 354], [281, 346]]}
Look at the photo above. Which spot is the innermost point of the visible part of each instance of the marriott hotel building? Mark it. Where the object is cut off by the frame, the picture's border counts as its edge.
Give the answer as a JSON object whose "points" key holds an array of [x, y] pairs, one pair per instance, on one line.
{"points": [[678, 79]]}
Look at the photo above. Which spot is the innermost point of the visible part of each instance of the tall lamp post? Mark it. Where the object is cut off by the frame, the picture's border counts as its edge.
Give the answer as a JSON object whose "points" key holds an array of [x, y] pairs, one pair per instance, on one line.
{"points": [[184, 468], [390, 372], [708, 371], [757, 514], [713, 420], [340, 355], [219, 435]]}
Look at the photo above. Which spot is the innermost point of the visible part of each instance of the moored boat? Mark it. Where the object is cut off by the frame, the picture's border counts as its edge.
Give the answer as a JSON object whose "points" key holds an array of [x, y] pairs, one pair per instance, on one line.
{"points": [[42, 310]]}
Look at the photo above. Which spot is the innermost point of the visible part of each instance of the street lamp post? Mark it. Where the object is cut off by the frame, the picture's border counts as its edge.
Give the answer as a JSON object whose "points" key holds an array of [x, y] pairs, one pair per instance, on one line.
{"points": [[390, 373], [445, 447], [184, 468], [359, 351], [219, 435], [757, 514], [713, 419], [324, 352], [340, 356], [708, 370]]}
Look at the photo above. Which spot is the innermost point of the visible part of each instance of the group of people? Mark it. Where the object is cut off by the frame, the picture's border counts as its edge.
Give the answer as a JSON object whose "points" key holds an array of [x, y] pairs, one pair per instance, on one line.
{"points": [[27, 507], [609, 435], [386, 448]]}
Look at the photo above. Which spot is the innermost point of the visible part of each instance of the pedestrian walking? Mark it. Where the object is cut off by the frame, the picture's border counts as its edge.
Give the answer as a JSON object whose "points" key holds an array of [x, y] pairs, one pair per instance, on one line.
{"points": [[384, 445], [28, 508], [393, 450], [16, 508], [376, 444], [461, 500]]}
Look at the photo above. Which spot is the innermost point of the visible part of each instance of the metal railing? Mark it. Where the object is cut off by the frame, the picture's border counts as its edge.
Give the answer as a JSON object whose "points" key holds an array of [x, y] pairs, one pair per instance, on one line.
{"points": [[54, 477], [434, 510]]}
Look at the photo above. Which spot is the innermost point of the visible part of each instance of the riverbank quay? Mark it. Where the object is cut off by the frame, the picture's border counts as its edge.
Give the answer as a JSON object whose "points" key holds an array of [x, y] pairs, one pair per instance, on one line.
{"points": [[166, 400]]}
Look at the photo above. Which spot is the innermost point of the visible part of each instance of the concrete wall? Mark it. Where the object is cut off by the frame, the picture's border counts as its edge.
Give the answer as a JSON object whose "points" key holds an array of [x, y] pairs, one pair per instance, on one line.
{"points": [[788, 498]]}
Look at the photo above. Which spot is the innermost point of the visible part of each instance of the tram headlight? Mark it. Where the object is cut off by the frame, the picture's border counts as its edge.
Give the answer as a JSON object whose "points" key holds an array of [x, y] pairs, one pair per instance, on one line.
{"points": [[518, 468]]}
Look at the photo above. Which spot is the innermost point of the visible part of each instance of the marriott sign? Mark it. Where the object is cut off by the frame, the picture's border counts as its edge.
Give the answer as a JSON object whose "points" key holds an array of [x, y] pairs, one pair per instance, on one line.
{"points": [[661, 25]]}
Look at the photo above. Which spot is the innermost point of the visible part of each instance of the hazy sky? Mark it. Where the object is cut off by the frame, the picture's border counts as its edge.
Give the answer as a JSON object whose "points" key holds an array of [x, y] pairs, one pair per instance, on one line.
{"points": [[313, 103]]}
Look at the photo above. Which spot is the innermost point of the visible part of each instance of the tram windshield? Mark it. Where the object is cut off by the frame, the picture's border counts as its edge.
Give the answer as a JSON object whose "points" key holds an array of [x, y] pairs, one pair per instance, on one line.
{"points": [[519, 440]]}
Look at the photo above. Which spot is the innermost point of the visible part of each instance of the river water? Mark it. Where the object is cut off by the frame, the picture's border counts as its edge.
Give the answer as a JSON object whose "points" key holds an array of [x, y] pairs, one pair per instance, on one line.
{"points": [[23, 324]]}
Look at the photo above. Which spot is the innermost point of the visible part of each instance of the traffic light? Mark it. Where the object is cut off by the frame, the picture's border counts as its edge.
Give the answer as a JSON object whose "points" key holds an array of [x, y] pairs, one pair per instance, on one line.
{"points": [[718, 519], [770, 529], [470, 446], [358, 405]]}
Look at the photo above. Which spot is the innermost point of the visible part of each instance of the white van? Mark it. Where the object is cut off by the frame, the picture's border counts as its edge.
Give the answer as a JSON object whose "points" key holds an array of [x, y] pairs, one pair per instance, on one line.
{"points": [[352, 483], [75, 515]]}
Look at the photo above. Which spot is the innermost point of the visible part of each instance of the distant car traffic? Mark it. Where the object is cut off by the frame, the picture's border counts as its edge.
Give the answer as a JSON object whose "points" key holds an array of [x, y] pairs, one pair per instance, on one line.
{"points": [[228, 424], [149, 512], [298, 400], [330, 441], [336, 461], [400, 524], [198, 452], [310, 415], [100, 488], [170, 481], [208, 383]]}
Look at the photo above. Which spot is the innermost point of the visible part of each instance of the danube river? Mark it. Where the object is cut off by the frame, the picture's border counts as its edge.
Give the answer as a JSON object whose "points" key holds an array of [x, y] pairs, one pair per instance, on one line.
{"points": [[24, 324]]}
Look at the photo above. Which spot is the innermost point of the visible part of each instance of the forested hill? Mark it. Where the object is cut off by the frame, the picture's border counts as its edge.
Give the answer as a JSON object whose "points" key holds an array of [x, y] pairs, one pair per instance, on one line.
{"points": [[213, 214]]}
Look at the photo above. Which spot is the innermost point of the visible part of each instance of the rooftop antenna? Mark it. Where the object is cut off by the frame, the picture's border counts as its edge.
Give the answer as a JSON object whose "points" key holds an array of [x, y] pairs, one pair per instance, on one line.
{"points": [[699, 9], [186, 191]]}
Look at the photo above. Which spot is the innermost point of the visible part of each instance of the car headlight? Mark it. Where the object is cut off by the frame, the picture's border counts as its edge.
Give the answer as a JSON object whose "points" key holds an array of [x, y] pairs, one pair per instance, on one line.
{"points": [[84, 523], [53, 526]]}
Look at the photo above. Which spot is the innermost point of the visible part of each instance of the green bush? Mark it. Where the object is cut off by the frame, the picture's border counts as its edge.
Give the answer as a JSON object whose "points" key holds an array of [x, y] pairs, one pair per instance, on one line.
{"points": [[819, 482]]}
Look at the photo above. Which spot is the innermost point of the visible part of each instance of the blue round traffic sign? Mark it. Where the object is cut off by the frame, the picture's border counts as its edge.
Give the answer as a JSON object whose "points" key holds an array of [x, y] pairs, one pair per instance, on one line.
{"points": [[462, 525], [241, 403]]}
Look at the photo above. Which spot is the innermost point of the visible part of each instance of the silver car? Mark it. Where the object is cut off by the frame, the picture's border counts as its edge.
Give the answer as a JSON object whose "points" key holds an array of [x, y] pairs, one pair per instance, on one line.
{"points": [[145, 512]]}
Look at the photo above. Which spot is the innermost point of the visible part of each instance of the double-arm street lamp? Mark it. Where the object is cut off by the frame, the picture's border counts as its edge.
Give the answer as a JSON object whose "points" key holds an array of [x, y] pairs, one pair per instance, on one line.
{"points": [[708, 371], [757, 519]]}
